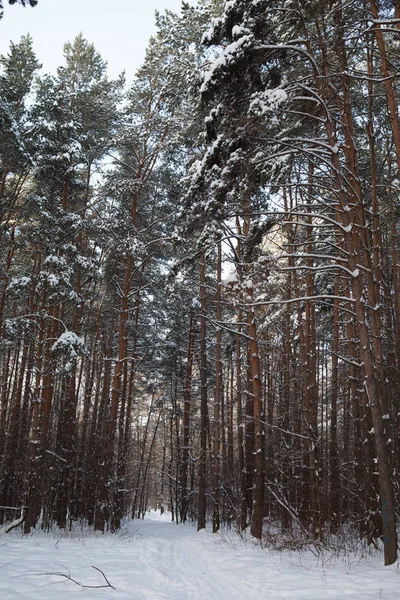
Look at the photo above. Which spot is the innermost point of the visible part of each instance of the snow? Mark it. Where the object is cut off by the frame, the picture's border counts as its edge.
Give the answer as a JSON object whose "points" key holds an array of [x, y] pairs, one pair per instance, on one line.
{"points": [[231, 278], [239, 30], [267, 101], [19, 282], [196, 303], [228, 56], [155, 559], [208, 35], [52, 279], [56, 261], [69, 342]]}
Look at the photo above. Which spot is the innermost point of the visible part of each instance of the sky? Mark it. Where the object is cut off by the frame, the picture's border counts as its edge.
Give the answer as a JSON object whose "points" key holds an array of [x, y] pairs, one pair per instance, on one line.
{"points": [[119, 29]]}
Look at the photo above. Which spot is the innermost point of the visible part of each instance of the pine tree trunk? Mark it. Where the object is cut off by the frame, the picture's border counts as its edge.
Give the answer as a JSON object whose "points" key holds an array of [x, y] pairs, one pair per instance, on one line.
{"points": [[217, 400], [202, 504], [186, 423]]}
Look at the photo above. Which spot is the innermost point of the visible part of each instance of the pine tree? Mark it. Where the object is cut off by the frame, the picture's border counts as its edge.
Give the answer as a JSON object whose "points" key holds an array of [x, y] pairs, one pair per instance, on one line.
{"points": [[252, 83]]}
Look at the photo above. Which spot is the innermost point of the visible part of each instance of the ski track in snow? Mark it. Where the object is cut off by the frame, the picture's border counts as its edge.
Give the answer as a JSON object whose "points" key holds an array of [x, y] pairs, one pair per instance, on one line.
{"points": [[155, 559]]}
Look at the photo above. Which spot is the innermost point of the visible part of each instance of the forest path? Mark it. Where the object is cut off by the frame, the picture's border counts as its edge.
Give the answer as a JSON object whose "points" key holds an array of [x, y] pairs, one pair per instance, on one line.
{"points": [[180, 566], [155, 559]]}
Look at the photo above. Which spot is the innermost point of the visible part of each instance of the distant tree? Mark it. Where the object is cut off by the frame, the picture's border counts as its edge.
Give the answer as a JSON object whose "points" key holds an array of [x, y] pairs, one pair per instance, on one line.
{"points": [[17, 70]]}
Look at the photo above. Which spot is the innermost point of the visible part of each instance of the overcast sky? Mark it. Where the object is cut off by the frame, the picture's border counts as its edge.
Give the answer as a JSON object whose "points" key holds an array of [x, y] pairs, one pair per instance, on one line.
{"points": [[119, 29]]}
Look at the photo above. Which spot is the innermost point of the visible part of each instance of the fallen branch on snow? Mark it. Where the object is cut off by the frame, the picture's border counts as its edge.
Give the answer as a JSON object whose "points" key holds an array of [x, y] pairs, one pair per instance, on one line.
{"points": [[67, 577]]}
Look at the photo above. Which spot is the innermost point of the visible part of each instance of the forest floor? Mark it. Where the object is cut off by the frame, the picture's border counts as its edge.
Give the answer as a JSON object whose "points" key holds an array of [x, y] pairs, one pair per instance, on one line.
{"points": [[155, 559]]}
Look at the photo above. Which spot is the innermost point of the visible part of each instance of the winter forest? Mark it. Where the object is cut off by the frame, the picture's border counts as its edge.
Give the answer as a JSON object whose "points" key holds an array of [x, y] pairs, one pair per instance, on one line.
{"points": [[200, 276]]}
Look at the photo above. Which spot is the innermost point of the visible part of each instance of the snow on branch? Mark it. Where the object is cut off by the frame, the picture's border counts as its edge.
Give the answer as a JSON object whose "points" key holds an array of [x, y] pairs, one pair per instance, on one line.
{"points": [[322, 297], [71, 344]]}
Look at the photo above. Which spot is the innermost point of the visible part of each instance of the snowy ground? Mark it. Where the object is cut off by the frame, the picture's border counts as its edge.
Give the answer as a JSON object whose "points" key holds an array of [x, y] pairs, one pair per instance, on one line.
{"points": [[156, 559]]}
